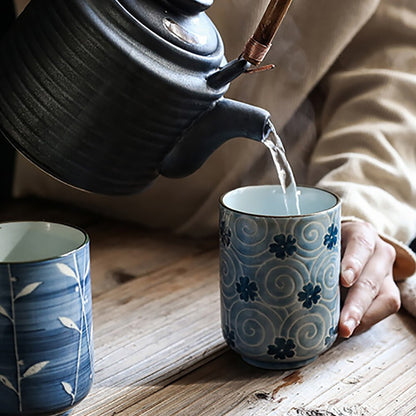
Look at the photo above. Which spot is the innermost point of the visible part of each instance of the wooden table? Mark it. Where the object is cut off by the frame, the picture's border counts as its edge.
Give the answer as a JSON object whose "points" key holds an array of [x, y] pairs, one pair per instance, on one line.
{"points": [[159, 349]]}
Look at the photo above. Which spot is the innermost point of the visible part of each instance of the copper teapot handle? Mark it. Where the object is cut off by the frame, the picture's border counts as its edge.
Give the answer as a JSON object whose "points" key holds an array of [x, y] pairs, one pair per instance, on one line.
{"points": [[259, 44]]}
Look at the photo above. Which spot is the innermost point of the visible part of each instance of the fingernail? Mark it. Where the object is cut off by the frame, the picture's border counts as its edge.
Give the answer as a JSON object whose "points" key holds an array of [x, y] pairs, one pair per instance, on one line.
{"points": [[350, 324], [348, 276]]}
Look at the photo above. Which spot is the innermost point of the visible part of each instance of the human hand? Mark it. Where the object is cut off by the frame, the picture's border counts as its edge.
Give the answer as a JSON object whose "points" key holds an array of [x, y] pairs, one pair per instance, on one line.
{"points": [[367, 272]]}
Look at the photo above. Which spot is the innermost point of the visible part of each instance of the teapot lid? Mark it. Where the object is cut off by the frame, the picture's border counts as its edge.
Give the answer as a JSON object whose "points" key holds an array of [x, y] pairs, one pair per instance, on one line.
{"points": [[180, 22]]}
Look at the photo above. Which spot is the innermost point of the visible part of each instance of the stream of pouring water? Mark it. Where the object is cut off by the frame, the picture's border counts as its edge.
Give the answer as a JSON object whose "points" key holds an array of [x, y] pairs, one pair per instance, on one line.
{"points": [[284, 171]]}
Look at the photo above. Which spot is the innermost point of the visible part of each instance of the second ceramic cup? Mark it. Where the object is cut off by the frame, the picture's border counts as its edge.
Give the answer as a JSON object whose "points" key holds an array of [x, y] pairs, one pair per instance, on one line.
{"points": [[46, 348], [279, 275]]}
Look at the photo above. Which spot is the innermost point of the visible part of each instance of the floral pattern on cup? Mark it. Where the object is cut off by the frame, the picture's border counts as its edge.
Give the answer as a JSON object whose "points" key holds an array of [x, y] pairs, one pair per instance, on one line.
{"points": [[333, 332], [283, 246], [331, 238], [246, 289], [229, 336], [280, 299], [309, 295], [225, 234], [282, 348]]}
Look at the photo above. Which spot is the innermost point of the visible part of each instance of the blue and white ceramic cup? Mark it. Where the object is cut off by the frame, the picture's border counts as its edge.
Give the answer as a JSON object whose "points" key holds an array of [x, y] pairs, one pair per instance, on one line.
{"points": [[279, 275], [46, 348]]}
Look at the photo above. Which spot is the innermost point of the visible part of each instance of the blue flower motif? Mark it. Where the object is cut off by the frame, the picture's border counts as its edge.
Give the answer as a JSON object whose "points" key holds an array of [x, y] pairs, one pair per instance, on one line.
{"points": [[330, 239], [225, 234], [229, 336], [247, 289], [282, 348], [309, 295], [284, 246], [333, 331]]}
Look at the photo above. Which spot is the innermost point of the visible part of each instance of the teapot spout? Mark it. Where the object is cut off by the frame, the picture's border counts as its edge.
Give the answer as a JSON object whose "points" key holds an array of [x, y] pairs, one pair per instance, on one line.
{"points": [[225, 120]]}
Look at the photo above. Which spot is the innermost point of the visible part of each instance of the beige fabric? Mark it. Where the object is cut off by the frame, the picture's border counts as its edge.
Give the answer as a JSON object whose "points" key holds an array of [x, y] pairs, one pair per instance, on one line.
{"points": [[343, 99], [20, 5]]}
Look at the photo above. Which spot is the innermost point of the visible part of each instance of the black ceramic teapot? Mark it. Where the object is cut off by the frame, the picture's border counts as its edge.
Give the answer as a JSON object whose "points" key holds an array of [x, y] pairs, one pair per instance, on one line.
{"points": [[105, 95]]}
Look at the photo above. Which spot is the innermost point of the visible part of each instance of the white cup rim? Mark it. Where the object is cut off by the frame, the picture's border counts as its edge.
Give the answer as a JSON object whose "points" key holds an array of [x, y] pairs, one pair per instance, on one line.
{"points": [[334, 205], [76, 246]]}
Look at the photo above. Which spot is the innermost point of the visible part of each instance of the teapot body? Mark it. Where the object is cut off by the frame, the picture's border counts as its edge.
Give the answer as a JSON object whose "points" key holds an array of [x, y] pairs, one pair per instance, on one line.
{"points": [[94, 97]]}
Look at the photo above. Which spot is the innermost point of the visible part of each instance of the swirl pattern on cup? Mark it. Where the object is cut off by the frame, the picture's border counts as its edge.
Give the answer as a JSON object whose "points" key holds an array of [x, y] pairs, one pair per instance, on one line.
{"points": [[309, 236], [228, 272], [280, 285], [252, 326], [307, 331]]}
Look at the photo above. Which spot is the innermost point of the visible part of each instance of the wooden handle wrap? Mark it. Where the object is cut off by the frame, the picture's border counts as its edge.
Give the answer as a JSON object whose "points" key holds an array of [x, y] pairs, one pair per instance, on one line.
{"points": [[259, 44]]}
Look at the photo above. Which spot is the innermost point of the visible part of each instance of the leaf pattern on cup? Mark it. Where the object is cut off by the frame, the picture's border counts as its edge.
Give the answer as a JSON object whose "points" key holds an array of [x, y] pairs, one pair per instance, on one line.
{"points": [[4, 313], [6, 382], [11, 316], [67, 271], [82, 327], [34, 369], [16, 294], [69, 323], [27, 290], [68, 389]]}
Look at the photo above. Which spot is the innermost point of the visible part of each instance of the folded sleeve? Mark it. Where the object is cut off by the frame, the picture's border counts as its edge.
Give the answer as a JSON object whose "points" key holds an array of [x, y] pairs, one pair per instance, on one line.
{"points": [[366, 150]]}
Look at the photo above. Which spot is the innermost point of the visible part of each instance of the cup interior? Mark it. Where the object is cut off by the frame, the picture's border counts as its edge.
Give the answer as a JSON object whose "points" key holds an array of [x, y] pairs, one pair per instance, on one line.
{"points": [[32, 241], [268, 200]]}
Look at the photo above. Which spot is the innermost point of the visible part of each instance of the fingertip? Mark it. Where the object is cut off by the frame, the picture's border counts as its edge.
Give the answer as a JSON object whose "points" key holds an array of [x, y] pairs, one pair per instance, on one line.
{"points": [[346, 329], [348, 276]]}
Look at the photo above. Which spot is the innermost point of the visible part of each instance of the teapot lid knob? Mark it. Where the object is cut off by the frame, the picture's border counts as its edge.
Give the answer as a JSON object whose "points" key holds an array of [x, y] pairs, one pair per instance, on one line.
{"points": [[190, 7], [182, 23]]}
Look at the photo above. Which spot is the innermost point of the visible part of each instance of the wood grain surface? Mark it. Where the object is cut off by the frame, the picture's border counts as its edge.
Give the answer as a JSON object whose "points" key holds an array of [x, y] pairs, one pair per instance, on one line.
{"points": [[159, 349]]}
